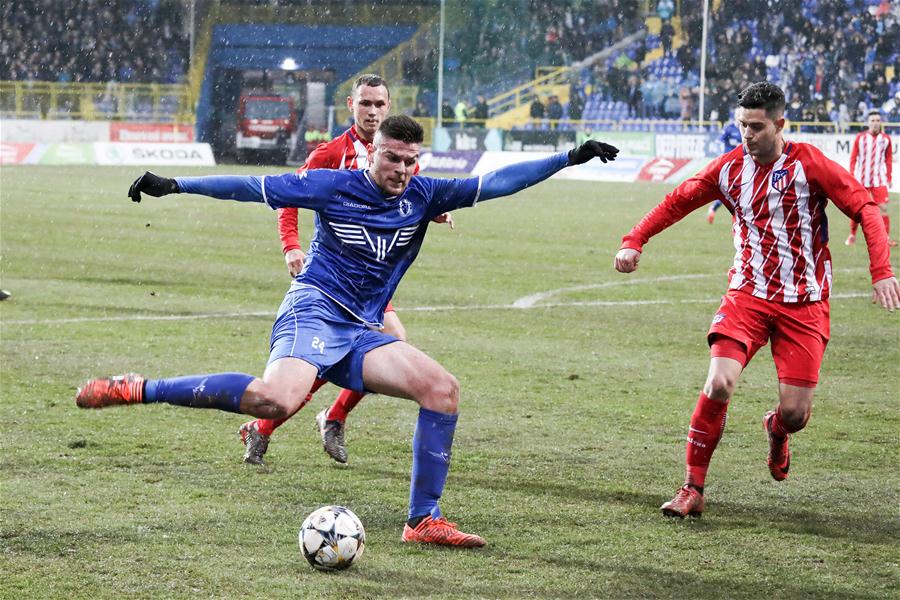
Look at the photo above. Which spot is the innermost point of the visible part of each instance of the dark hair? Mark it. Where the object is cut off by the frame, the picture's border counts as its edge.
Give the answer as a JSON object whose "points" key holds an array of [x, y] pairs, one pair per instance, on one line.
{"points": [[763, 94], [403, 129], [874, 111], [371, 80]]}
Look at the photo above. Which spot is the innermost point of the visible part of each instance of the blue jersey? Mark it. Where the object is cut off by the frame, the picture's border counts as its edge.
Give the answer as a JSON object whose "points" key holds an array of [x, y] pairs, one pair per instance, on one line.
{"points": [[363, 241], [731, 137]]}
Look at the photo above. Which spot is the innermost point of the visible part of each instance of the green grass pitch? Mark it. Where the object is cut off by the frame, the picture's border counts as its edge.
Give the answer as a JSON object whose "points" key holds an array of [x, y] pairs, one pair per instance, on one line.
{"points": [[574, 410]]}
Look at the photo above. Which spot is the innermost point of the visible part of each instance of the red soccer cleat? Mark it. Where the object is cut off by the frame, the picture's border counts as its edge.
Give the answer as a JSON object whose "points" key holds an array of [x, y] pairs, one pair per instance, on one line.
{"points": [[710, 216], [111, 391], [779, 459], [688, 502], [256, 444], [442, 532]]}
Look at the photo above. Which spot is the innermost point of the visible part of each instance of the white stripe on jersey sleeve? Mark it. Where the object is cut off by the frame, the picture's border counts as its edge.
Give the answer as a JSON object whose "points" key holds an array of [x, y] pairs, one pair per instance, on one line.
{"points": [[477, 193], [262, 187]]}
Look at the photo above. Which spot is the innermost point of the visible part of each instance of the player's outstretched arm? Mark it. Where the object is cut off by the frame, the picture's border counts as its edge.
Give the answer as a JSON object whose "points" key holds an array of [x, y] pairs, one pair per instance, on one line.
{"points": [[887, 293], [225, 187], [627, 260], [516, 177]]}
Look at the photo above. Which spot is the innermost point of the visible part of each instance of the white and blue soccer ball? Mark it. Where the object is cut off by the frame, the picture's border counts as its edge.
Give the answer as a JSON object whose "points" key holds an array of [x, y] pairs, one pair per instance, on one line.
{"points": [[332, 538]]}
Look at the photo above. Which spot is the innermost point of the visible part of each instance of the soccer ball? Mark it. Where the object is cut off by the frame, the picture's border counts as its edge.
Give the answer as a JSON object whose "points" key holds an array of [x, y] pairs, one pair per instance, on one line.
{"points": [[331, 538]]}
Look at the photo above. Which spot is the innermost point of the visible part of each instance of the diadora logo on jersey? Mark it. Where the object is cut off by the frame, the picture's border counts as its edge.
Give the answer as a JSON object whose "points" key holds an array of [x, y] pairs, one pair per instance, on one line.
{"points": [[357, 235], [779, 179], [405, 207]]}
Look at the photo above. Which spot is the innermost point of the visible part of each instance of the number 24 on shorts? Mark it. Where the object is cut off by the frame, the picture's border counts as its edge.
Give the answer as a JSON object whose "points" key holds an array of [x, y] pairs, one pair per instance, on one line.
{"points": [[318, 344]]}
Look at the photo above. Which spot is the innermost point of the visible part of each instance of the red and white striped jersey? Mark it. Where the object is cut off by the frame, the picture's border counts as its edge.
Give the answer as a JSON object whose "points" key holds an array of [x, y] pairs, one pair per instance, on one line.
{"points": [[346, 151], [871, 159], [780, 228]]}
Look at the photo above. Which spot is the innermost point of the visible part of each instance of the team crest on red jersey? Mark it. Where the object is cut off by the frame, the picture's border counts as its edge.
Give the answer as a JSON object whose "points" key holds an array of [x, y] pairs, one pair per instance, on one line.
{"points": [[718, 318], [780, 180]]}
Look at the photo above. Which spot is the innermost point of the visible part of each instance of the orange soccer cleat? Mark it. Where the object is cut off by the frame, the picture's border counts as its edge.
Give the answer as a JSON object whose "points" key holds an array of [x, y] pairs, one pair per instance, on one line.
{"points": [[442, 532], [779, 459], [688, 502], [111, 391]]}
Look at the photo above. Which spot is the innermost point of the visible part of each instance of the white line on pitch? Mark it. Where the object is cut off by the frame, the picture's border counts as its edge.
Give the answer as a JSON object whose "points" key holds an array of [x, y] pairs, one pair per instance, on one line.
{"points": [[270, 314]]}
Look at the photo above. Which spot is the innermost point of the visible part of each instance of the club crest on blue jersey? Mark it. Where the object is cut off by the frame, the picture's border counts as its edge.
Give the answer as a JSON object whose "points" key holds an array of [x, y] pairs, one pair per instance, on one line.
{"points": [[405, 207], [779, 179]]}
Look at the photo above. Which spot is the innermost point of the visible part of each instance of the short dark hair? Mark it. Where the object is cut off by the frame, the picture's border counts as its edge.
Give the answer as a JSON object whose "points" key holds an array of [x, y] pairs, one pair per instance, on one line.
{"points": [[371, 80], [765, 95], [403, 129], [874, 111]]}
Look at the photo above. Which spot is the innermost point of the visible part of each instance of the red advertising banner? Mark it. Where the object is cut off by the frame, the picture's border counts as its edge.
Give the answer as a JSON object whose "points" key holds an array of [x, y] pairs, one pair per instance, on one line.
{"points": [[150, 132], [14, 154], [660, 169]]}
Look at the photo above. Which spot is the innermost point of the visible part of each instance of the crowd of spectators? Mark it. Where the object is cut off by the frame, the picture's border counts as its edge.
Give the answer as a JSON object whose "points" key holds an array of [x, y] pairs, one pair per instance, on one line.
{"points": [[139, 41], [494, 45], [835, 59]]}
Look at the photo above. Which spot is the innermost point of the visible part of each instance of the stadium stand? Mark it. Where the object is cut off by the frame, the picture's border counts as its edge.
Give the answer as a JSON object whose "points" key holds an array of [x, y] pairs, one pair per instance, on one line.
{"points": [[488, 52], [835, 59], [93, 41]]}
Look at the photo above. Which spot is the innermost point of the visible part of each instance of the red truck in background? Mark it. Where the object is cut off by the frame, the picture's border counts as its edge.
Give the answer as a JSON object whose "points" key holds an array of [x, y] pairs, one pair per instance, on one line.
{"points": [[265, 125]]}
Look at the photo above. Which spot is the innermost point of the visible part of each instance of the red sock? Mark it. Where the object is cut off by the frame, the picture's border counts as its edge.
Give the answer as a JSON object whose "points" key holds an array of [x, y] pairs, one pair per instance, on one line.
{"points": [[343, 404], [887, 224], [779, 429], [853, 227], [707, 425], [268, 426]]}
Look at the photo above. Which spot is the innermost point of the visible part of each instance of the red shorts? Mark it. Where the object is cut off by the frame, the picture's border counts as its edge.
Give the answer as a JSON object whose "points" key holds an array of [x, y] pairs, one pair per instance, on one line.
{"points": [[390, 307], [799, 333], [879, 194]]}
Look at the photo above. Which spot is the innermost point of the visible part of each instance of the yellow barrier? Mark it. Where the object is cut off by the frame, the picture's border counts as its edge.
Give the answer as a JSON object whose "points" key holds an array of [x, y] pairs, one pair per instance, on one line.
{"points": [[159, 103]]}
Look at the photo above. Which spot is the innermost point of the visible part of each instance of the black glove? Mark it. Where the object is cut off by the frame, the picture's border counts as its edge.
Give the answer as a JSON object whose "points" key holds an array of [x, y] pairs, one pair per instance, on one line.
{"points": [[152, 184], [591, 149]]}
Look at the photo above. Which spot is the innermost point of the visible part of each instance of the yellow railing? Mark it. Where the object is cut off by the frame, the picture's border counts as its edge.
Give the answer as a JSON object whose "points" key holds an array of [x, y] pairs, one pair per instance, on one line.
{"points": [[546, 76], [201, 53], [160, 103]]}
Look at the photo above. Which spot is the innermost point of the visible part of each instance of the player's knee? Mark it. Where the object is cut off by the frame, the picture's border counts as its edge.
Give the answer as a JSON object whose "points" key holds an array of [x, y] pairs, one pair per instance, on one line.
{"points": [[795, 418], [272, 402], [720, 386], [442, 394]]}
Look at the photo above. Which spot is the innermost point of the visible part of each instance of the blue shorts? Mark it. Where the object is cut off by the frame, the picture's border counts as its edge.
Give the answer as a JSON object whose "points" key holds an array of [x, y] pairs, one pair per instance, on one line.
{"points": [[312, 327]]}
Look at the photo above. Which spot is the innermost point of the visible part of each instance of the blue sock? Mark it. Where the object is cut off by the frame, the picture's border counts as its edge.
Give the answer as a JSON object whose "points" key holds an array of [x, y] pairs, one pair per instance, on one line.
{"points": [[432, 445], [222, 391]]}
